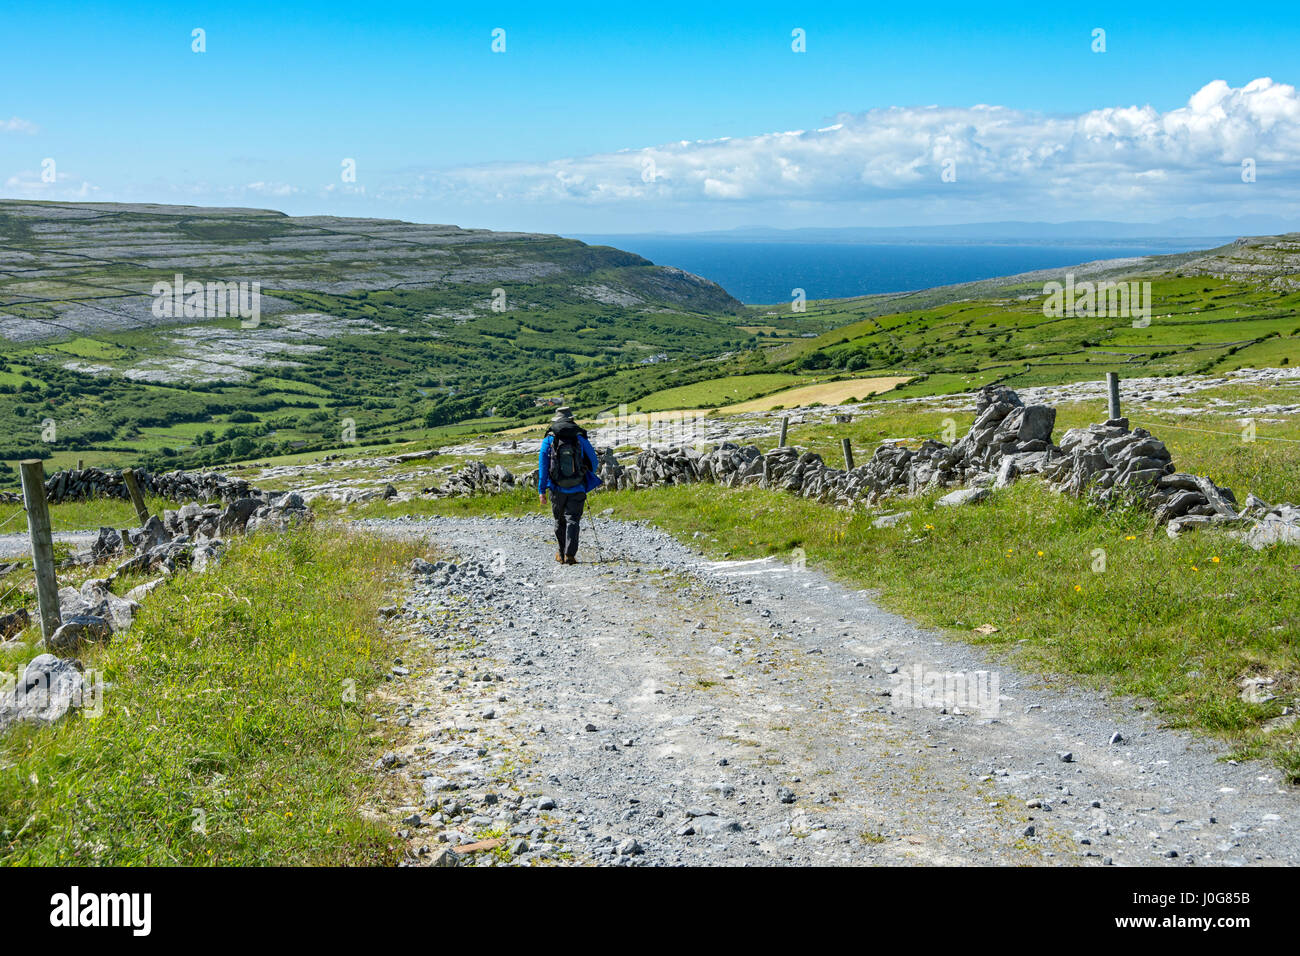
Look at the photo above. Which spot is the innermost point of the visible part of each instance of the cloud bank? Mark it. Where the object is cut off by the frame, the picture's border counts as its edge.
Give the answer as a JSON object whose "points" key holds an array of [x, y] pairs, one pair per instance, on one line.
{"points": [[989, 158], [1230, 151]]}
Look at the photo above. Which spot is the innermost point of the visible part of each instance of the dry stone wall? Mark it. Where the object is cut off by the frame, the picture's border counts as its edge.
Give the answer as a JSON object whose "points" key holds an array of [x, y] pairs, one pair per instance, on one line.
{"points": [[1008, 440]]}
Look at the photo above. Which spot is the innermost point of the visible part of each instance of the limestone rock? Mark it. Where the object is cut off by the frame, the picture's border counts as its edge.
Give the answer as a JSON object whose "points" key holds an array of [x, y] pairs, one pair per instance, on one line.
{"points": [[76, 632]]}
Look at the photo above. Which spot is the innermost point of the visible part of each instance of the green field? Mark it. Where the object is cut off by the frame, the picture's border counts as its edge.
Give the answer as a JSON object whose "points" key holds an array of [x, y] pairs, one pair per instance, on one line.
{"points": [[1197, 325], [716, 392]]}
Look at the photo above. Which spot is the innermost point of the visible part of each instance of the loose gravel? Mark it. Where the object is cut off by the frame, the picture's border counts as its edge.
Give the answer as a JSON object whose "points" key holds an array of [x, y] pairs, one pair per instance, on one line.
{"points": [[651, 707]]}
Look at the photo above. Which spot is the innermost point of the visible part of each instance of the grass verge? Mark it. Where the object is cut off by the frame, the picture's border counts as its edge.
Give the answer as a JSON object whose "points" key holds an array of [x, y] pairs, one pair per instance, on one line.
{"points": [[233, 728]]}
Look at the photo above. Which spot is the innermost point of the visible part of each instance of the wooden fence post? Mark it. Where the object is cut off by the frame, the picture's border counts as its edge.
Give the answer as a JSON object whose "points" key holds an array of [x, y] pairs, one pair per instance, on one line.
{"points": [[785, 426], [1112, 392], [38, 527], [848, 454], [137, 499]]}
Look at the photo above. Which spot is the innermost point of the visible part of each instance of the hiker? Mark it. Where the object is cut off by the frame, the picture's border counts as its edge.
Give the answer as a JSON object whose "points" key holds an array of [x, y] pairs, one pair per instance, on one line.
{"points": [[567, 466]]}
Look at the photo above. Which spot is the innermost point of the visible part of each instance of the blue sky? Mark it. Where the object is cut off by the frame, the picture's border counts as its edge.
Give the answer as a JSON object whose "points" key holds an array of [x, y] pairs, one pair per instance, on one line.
{"points": [[555, 133]]}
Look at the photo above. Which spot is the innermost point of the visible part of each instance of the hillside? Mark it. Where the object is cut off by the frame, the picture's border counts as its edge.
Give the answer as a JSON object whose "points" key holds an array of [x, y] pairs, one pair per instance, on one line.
{"points": [[1233, 307], [378, 325], [89, 267]]}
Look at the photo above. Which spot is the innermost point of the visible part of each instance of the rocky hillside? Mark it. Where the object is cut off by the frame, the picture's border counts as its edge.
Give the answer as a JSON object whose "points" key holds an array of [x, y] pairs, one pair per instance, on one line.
{"points": [[1273, 260], [90, 267]]}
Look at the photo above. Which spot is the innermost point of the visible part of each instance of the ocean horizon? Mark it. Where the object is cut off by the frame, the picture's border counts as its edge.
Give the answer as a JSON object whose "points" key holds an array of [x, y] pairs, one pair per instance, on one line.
{"points": [[766, 271]]}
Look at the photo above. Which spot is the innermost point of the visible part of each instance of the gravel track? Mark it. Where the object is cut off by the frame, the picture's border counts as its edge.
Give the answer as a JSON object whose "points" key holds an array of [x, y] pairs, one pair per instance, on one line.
{"points": [[681, 711], [19, 544]]}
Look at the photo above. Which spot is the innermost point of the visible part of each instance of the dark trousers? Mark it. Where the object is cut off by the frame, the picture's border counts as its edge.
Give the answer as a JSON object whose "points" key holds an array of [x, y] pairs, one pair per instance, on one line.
{"points": [[567, 510]]}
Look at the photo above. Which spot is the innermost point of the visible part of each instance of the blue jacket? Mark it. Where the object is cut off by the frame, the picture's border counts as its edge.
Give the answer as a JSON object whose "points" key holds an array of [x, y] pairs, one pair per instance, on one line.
{"points": [[589, 481]]}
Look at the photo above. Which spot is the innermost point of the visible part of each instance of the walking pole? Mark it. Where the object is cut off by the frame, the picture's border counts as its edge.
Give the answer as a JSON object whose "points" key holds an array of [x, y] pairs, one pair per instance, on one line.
{"points": [[600, 557]]}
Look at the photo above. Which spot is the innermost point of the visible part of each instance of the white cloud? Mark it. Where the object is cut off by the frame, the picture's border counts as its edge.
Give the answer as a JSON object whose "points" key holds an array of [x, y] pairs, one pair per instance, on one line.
{"points": [[31, 184], [269, 189], [16, 124], [1100, 162]]}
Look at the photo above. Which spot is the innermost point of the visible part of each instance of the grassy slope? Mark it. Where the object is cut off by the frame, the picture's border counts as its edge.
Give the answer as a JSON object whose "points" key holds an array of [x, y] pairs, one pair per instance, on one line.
{"points": [[229, 696], [1198, 324]]}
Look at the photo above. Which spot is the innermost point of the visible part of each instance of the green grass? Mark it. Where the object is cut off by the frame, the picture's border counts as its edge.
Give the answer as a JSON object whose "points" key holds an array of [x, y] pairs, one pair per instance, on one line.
{"points": [[16, 379], [90, 349], [101, 512], [1164, 621], [229, 696]]}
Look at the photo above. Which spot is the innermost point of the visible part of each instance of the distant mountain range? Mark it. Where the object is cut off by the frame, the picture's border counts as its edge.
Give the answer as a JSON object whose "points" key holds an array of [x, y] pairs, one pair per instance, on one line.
{"points": [[1217, 229]]}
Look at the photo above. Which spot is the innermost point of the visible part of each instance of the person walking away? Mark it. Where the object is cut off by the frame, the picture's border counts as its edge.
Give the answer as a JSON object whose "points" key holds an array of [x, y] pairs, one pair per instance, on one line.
{"points": [[566, 467]]}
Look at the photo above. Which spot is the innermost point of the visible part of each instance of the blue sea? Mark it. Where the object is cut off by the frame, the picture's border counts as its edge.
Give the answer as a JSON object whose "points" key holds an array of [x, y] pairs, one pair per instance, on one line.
{"points": [[764, 271]]}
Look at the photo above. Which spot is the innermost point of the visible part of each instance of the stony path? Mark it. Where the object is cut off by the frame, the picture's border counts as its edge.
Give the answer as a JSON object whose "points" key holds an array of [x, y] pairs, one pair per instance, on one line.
{"points": [[658, 708]]}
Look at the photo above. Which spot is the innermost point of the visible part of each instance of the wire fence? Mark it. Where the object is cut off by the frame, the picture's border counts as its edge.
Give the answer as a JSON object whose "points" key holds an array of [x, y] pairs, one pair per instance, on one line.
{"points": [[13, 517], [16, 587], [1210, 431]]}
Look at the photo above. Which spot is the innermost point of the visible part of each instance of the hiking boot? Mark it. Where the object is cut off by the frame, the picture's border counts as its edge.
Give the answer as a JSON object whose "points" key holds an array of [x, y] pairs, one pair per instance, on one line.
{"points": [[570, 560], [559, 557]]}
